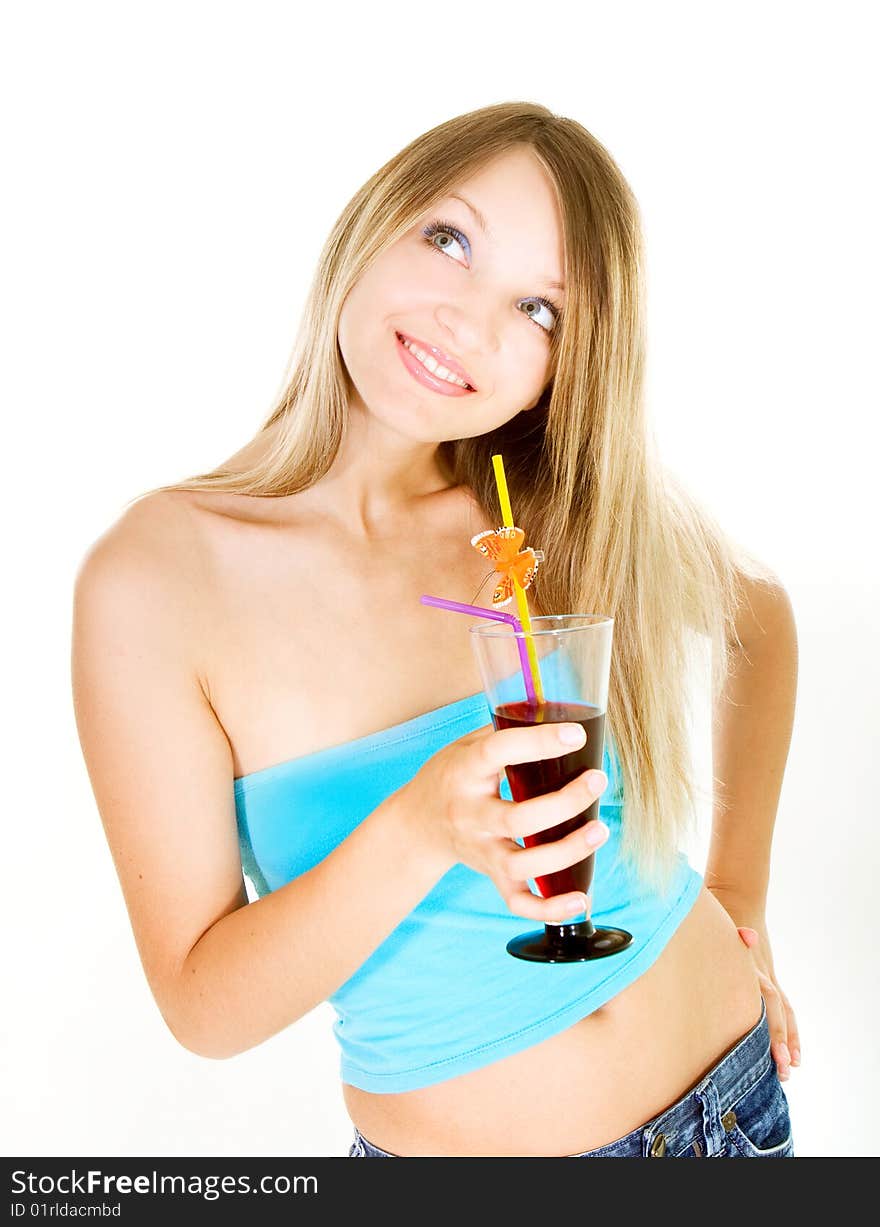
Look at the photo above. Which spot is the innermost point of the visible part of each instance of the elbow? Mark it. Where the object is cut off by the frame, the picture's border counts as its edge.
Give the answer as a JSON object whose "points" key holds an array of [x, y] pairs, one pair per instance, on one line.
{"points": [[202, 1045], [198, 1036], [198, 1046], [201, 1051]]}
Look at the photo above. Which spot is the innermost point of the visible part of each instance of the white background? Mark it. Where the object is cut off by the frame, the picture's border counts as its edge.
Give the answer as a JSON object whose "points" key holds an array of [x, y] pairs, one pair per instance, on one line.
{"points": [[172, 170]]}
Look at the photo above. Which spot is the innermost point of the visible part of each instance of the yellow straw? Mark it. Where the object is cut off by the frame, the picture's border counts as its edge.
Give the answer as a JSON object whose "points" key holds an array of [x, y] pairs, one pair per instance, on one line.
{"points": [[522, 603]]}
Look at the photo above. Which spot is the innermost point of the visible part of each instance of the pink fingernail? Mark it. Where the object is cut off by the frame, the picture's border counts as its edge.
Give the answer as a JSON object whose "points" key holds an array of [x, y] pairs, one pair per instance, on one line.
{"points": [[596, 833]]}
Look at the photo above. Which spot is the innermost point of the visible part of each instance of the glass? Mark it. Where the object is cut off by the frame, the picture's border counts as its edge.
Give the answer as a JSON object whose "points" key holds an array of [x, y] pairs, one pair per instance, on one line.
{"points": [[573, 652]]}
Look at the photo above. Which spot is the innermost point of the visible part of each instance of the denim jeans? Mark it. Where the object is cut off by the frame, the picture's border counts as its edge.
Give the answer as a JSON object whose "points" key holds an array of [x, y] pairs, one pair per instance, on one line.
{"points": [[738, 1110]]}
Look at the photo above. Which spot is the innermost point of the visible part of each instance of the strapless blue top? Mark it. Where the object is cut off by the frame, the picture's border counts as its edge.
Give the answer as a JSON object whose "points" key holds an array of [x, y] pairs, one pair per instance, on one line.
{"points": [[440, 996]]}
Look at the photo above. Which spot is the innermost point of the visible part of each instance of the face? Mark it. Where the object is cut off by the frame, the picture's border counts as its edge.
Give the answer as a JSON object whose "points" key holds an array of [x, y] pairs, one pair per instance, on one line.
{"points": [[473, 297]]}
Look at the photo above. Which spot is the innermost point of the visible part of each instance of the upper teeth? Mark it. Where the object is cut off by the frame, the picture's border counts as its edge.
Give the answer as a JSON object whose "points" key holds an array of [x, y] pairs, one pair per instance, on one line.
{"points": [[438, 371]]}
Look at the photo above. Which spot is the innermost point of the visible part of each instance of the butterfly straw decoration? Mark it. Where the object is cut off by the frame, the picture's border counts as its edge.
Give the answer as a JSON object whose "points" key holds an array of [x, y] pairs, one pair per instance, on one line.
{"points": [[517, 567], [512, 562]]}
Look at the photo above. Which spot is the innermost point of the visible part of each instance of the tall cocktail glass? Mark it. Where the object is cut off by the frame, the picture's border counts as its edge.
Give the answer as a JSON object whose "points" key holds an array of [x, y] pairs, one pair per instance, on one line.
{"points": [[573, 652]]}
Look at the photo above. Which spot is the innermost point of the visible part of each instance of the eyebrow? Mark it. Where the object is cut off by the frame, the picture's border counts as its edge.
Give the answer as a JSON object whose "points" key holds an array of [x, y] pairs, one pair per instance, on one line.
{"points": [[484, 226]]}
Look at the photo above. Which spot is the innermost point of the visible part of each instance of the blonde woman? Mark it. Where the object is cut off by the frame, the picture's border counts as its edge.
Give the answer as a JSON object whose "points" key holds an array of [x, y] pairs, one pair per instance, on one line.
{"points": [[258, 688]]}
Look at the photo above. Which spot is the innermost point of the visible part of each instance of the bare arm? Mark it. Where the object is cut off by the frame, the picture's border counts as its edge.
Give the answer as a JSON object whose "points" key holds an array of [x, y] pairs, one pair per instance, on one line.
{"points": [[752, 729], [260, 968], [226, 975]]}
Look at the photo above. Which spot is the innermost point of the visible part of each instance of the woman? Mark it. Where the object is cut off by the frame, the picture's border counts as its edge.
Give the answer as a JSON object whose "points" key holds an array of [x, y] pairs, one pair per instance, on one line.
{"points": [[257, 685]]}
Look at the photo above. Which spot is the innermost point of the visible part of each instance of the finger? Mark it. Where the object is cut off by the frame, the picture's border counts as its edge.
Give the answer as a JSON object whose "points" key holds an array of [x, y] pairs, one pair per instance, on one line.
{"points": [[542, 813], [528, 744], [556, 910], [793, 1040], [541, 859], [777, 1024]]}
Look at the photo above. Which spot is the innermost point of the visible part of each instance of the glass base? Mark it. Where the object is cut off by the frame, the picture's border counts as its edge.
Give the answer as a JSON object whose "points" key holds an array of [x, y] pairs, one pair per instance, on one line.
{"points": [[574, 943]]}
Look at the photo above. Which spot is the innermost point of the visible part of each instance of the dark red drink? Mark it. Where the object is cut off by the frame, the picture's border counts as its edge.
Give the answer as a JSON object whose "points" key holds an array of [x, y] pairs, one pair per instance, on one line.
{"points": [[550, 774]]}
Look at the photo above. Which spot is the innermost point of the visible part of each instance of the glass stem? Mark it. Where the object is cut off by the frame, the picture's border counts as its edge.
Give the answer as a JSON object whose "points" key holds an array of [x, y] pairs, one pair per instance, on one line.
{"points": [[561, 933]]}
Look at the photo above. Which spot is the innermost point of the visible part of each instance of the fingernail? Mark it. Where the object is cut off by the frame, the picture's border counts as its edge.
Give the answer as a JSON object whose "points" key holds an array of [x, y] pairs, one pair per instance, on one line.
{"points": [[597, 833], [599, 780], [572, 734], [795, 1056], [571, 908], [784, 1053]]}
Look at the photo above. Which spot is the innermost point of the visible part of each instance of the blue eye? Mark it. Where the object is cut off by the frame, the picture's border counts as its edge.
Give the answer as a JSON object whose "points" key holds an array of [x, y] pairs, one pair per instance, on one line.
{"points": [[445, 230], [548, 306]]}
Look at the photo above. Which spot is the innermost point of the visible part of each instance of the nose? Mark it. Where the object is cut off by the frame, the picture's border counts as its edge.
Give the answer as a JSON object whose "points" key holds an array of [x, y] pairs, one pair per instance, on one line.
{"points": [[467, 332]]}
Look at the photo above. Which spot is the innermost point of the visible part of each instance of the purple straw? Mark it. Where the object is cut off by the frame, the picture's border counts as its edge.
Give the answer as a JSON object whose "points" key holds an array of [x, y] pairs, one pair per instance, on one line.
{"points": [[495, 615]]}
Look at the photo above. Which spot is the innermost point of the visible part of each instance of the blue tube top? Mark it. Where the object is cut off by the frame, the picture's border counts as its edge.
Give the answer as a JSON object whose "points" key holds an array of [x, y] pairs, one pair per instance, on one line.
{"points": [[440, 996]]}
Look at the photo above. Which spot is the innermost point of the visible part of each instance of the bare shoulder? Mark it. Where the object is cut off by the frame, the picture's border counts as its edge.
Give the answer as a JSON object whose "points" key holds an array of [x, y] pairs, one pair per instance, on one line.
{"points": [[158, 526], [151, 562], [163, 533]]}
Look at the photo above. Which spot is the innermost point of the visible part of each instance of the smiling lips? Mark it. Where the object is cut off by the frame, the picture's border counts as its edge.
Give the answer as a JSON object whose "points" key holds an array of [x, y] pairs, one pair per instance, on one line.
{"points": [[442, 362]]}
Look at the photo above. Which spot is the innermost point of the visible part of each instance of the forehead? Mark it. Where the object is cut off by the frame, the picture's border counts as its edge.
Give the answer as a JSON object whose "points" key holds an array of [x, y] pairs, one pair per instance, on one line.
{"points": [[515, 176]]}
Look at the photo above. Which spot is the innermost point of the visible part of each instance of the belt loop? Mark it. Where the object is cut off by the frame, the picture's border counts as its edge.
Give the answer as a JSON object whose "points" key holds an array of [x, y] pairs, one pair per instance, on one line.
{"points": [[713, 1129]]}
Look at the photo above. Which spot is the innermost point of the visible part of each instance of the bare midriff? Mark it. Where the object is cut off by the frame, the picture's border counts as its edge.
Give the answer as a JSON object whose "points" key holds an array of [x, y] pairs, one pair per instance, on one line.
{"points": [[286, 582], [599, 1079]]}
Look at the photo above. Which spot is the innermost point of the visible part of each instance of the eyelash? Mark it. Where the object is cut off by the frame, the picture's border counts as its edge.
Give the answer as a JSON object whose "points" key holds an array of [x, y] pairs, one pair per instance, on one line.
{"points": [[442, 227]]}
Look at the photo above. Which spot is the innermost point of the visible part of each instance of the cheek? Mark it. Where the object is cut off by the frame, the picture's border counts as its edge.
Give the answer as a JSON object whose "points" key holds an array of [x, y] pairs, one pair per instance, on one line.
{"points": [[364, 319], [524, 371], [398, 275]]}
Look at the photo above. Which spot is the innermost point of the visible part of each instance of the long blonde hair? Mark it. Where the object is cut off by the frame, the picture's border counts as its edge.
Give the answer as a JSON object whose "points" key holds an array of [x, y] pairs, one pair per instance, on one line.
{"points": [[582, 467]]}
